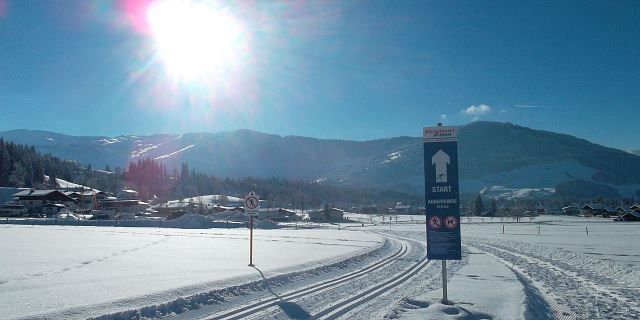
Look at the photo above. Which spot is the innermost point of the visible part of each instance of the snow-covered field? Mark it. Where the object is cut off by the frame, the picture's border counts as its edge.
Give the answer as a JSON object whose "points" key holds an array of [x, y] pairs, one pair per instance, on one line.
{"points": [[548, 268], [76, 272]]}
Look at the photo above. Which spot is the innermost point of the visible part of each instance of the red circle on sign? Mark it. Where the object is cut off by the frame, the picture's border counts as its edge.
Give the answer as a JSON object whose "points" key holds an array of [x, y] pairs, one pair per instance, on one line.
{"points": [[435, 222], [451, 222]]}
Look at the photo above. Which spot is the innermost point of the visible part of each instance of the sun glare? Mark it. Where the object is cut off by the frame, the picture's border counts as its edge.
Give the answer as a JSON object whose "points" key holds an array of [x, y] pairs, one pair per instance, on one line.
{"points": [[195, 39]]}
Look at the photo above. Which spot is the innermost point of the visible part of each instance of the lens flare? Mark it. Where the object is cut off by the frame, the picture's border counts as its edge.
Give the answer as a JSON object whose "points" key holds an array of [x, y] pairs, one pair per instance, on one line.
{"points": [[196, 40]]}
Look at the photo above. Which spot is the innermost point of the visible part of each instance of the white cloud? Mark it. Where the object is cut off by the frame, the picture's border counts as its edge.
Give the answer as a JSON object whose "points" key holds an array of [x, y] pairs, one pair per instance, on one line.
{"points": [[477, 110], [443, 117]]}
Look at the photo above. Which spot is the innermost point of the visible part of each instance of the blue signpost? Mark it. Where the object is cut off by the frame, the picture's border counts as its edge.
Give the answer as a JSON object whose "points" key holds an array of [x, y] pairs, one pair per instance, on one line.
{"points": [[442, 196]]}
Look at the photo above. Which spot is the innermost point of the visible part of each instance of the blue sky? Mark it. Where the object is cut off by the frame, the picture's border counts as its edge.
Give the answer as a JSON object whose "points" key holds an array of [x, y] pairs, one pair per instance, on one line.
{"points": [[331, 69]]}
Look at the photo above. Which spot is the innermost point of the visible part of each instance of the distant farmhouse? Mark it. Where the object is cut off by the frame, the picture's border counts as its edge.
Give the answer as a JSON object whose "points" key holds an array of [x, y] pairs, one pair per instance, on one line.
{"points": [[35, 200]]}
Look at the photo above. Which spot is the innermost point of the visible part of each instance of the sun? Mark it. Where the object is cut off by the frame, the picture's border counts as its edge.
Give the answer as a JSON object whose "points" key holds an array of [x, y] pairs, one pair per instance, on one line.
{"points": [[195, 40]]}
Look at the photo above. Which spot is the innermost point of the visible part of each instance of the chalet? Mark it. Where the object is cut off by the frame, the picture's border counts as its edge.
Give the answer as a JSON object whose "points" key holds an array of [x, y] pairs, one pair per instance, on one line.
{"points": [[87, 199], [608, 211], [122, 209], [592, 209], [12, 210], [635, 207], [631, 216], [33, 200]]}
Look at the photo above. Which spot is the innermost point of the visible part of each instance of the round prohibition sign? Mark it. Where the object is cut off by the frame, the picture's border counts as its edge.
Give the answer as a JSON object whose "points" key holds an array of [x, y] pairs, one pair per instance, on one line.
{"points": [[435, 222], [251, 202], [451, 222]]}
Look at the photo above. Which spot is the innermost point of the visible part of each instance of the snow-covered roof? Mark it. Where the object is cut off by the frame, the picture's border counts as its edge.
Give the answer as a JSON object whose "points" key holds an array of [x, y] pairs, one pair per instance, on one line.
{"points": [[57, 205], [633, 213]]}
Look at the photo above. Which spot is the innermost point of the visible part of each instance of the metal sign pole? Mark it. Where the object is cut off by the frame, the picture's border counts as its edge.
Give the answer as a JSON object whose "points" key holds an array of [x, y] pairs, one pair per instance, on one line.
{"points": [[251, 242], [445, 300], [252, 207]]}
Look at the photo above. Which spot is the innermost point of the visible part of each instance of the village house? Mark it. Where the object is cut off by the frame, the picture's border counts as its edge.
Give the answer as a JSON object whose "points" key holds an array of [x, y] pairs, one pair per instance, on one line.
{"points": [[592, 209], [122, 209], [33, 200], [87, 198], [631, 215], [12, 210]]}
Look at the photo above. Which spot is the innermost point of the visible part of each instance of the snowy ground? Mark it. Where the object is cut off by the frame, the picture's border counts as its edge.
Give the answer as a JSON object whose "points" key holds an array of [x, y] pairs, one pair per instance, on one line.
{"points": [[367, 270], [75, 272]]}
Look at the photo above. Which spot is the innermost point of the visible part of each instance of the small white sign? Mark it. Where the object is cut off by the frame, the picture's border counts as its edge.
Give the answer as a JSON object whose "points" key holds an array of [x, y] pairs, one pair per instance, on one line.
{"points": [[439, 133], [252, 203]]}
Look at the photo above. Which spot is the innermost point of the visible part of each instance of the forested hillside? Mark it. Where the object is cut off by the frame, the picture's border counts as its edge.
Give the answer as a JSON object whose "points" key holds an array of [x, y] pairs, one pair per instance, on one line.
{"points": [[22, 166]]}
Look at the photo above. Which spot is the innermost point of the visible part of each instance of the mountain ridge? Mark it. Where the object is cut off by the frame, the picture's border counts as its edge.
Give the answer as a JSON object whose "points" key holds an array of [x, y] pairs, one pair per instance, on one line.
{"points": [[491, 154]]}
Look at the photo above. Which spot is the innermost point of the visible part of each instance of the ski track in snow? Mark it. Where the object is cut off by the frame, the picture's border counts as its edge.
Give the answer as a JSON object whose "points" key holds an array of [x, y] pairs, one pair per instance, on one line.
{"points": [[375, 282], [204, 304], [575, 286]]}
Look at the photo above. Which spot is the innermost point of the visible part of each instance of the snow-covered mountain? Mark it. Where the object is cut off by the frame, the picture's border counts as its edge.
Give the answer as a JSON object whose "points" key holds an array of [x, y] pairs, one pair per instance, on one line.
{"points": [[491, 154]]}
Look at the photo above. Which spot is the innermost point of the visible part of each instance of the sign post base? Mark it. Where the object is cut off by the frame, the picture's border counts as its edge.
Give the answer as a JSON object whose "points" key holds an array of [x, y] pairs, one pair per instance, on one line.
{"points": [[251, 242], [444, 300]]}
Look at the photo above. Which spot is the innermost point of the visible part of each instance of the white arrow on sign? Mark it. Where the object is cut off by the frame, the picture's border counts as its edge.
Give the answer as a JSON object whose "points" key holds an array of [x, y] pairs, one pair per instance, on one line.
{"points": [[441, 160]]}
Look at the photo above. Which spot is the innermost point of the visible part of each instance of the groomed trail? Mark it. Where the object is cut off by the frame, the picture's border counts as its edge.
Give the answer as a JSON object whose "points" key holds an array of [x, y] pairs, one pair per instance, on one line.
{"points": [[362, 287], [573, 285]]}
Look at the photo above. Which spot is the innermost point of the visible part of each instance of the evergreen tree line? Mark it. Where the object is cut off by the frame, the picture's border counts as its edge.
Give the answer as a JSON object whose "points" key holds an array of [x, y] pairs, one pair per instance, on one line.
{"points": [[150, 178], [21, 166]]}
